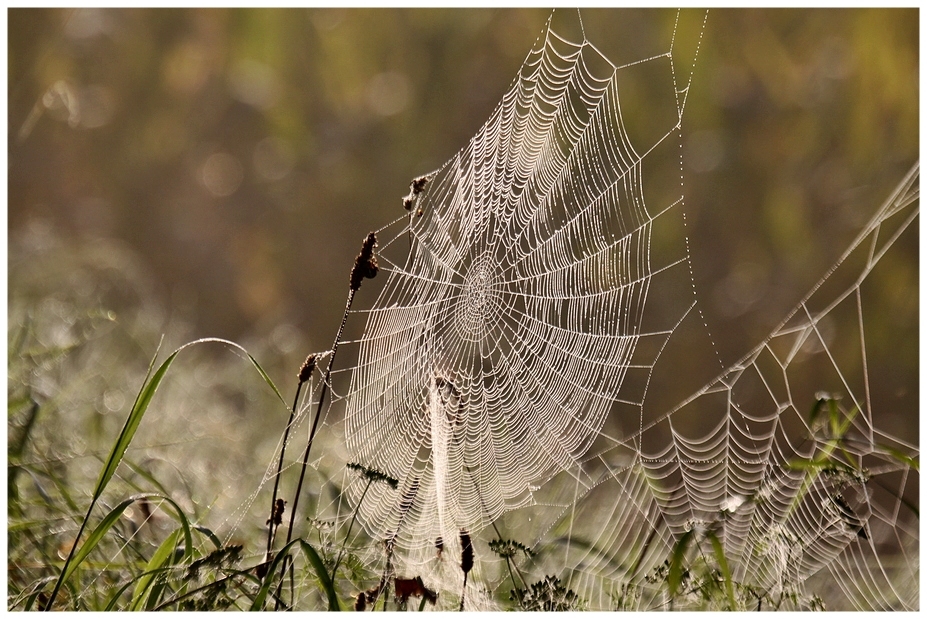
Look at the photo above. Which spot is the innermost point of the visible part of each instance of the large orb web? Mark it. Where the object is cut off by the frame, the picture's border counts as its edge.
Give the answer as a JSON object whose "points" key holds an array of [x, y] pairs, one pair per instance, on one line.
{"points": [[500, 342]]}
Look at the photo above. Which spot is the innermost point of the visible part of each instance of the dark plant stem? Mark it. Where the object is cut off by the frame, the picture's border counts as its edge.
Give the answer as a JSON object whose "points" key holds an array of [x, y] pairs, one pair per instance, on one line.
{"points": [[67, 562], [272, 527], [318, 414], [384, 581], [312, 431], [350, 526], [463, 592], [276, 513], [365, 267], [508, 563]]}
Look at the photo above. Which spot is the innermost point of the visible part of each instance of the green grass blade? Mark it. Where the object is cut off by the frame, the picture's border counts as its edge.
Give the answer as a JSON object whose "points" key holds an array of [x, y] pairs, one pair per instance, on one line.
{"points": [[111, 518], [902, 457], [259, 599], [327, 585], [257, 366], [94, 538], [132, 423], [315, 560], [111, 605], [161, 556], [725, 569], [209, 534], [677, 562], [17, 446], [37, 588], [142, 401], [181, 518], [266, 378]]}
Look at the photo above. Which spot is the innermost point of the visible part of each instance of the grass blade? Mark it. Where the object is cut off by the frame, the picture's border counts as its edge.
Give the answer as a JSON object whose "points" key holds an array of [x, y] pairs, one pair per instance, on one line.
{"points": [[327, 585], [676, 566], [259, 599], [725, 569], [94, 538], [315, 560], [132, 423], [111, 518], [164, 552], [111, 605], [208, 533], [122, 444]]}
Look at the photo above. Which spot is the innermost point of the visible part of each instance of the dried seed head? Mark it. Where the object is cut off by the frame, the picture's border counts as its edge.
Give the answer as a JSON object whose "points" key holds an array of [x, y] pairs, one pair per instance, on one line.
{"points": [[507, 548], [365, 265], [466, 553], [415, 187], [360, 603], [277, 516], [404, 588], [305, 372], [374, 475], [372, 594], [218, 558], [439, 544], [418, 184]]}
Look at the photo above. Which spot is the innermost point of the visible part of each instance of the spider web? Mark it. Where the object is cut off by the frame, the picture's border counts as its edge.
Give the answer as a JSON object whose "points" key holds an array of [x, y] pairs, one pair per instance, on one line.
{"points": [[511, 325], [779, 526], [504, 376]]}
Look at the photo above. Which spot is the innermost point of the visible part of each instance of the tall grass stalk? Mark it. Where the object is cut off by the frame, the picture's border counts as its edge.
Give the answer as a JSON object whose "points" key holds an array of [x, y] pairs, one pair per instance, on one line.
{"points": [[305, 375], [365, 267]]}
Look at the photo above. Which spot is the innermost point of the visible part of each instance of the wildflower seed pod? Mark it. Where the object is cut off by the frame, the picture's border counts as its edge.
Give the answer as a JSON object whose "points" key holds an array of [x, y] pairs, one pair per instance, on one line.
{"points": [[365, 265], [305, 372], [418, 184]]}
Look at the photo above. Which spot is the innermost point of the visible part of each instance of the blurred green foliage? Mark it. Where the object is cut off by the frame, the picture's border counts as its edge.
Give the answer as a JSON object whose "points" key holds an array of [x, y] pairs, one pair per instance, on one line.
{"points": [[244, 153]]}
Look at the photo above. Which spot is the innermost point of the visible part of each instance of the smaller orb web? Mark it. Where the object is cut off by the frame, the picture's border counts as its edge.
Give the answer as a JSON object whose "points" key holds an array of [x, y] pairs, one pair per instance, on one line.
{"points": [[504, 375]]}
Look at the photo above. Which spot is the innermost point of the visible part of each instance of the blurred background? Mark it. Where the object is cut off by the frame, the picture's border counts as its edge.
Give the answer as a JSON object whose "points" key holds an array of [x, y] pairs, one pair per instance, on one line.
{"points": [[241, 155], [212, 172]]}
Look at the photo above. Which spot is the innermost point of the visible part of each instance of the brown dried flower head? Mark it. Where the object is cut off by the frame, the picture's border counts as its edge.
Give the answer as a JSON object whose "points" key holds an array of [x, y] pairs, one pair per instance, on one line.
{"points": [[365, 265], [305, 372]]}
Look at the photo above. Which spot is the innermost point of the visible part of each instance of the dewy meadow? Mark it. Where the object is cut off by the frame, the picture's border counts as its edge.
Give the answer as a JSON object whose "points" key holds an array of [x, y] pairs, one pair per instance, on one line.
{"points": [[645, 339]]}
